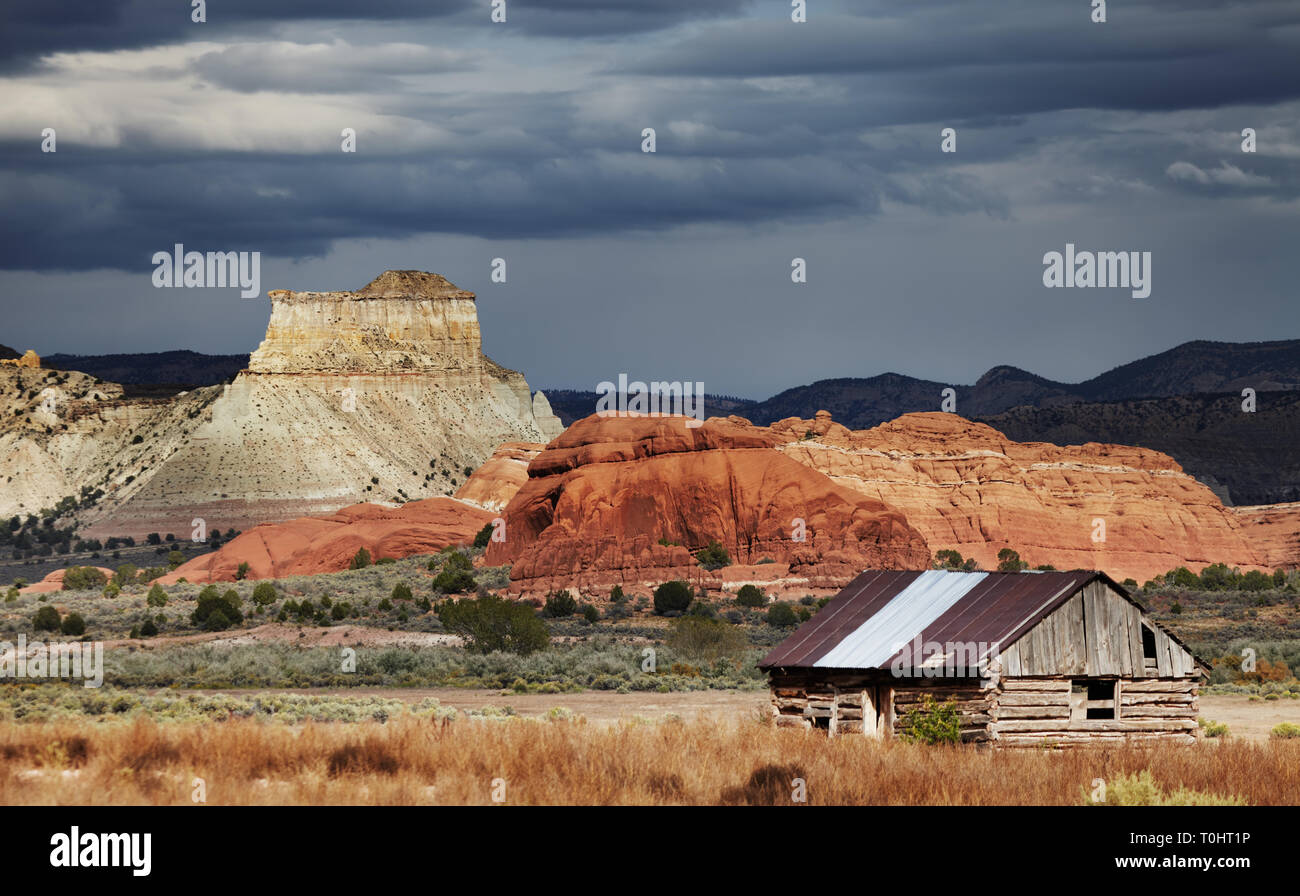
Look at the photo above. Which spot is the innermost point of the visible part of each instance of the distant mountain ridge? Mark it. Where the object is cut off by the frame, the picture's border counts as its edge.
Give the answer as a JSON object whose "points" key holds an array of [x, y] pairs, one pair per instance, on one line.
{"points": [[1191, 368], [180, 367]]}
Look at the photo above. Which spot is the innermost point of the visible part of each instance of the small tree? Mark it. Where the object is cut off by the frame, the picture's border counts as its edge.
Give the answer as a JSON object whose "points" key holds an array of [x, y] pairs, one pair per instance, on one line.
{"points": [[264, 594], [1009, 561], [401, 591], [149, 629], [700, 638], [484, 536], [241, 572], [751, 596], [175, 559], [360, 560], [83, 578], [559, 604], [714, 556], [46, 619], [156, 596], [73, 625], [782, 615], [210, 604], [491, 623], [457, 576], [672, 597]]}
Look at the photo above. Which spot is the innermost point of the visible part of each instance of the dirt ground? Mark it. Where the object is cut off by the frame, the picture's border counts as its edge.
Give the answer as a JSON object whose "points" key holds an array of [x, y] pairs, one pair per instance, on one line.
{"points": [[1249, 720], [1245, 719]]}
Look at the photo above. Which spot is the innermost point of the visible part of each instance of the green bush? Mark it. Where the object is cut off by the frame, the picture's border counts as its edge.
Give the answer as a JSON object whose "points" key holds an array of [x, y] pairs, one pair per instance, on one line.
{"points": [[714, 556], [781, 615], [701, 639], [491, 623], [484, 536], [46, 619], [1009, 561], [73, 625], [949, 559], [148, 630], [1212, 728], [559, 604], [616, 594], [751, 596], [1141, 789], [591, 613], [1285, 731], [211, 604], [932, 722], [360, 560], [156, 597], [672, 597], [454, 581], [401, 591], [83, 578], [264, 594]]}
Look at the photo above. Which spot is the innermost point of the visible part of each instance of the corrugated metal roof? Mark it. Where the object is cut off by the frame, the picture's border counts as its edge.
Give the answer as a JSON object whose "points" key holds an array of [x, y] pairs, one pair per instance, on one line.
{"points": [[924, 600], [864, 625]]}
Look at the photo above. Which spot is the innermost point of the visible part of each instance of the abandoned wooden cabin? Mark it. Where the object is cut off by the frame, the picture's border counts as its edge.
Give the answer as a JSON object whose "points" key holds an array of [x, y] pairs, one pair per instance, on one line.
{"points": [[1028, 659]]}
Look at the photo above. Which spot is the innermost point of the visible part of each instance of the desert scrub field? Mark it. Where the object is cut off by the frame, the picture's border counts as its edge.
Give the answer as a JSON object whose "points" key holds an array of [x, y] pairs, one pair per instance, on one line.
{"points": [[411, 760], [52, 703], [600, 664]]}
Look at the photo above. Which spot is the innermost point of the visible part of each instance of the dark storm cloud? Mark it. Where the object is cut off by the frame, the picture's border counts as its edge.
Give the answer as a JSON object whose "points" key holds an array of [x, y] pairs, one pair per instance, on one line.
{"points": [[84, 225], [1034, 57], [30, 29], [853, 122]]}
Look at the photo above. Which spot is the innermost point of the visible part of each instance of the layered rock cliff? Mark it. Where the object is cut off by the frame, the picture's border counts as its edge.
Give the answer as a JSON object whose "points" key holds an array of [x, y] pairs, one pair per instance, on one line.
{"points": [[967, 487], [382, 394]]}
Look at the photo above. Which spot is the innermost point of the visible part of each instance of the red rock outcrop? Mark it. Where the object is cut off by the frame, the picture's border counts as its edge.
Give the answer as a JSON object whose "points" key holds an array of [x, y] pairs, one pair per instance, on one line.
{"points": [[627, 499], [310, 545], [1274, 530], [54, 581], [967, 487], [493, 485]]}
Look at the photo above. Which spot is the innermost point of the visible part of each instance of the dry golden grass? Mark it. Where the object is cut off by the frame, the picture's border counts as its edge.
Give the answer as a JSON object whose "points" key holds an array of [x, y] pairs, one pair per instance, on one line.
{"points": [[411, 761]]}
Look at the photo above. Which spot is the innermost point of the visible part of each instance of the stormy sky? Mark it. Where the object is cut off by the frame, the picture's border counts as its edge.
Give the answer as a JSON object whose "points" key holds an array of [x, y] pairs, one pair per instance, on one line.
{"points": [[775, 140]]}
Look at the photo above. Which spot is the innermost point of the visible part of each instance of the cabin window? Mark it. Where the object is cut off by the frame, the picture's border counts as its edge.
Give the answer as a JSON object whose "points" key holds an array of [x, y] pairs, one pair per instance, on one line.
{"points": [[1148, 645], [1093, 698]]}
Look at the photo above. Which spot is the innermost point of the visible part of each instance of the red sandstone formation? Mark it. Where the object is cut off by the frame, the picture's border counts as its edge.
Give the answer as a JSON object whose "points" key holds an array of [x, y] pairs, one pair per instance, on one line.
{"points": [[54, 582], [968, 487], [310, 545], [627, 500], [495, 483]]}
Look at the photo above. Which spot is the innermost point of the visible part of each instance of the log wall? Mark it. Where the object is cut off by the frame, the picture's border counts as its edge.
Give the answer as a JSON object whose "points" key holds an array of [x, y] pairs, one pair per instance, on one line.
{"points": [[1002, 712]]}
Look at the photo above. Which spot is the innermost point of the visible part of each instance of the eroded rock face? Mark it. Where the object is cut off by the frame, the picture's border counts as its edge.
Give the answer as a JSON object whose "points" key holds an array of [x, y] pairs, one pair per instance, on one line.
{"points": [[967, 487], [313, 545], [382, 394], [626, 500], [493, 485], [1274, 531]]}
